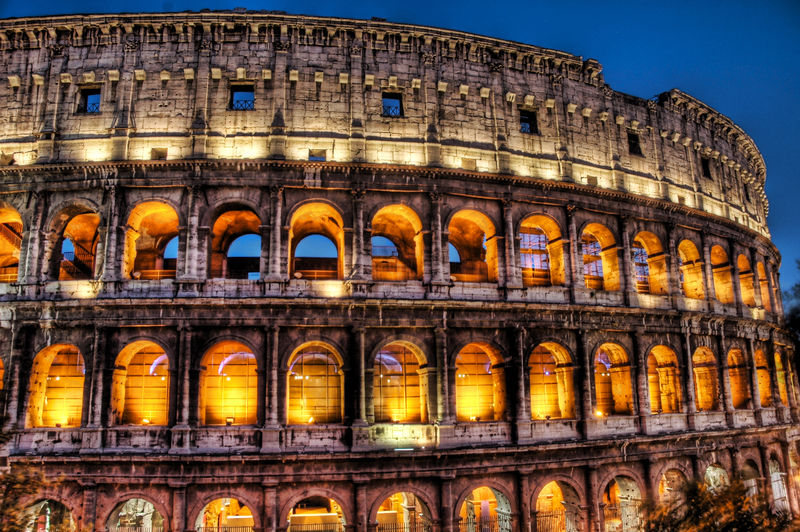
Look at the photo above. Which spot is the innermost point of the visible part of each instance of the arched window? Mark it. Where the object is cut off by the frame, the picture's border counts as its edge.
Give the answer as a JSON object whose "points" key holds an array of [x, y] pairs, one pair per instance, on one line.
{"points": [[398, 395], [737, 376], [746, 285], [244, 255], [716, 478], [551, 382], [691, 270], [49, 516], [316, 514], [315, 386], [763, 282], [780, 497], [473, 236], [706, 387], [151, 227], [558, 508], [225, 514], [485, 509], [600, 264], [781, 376], [135, 515], [541, 251], [56, 388], [75, 259], [663, 381], [397, 248], [403, 511], [10, 243], [228, 385], [721, 268], [2, 375], [649, 264], [235, 245], [316, 242], [612, 380], [140, 386], [764, 380], [622, 505], [670, 487], [170, 256], [480, 385]]}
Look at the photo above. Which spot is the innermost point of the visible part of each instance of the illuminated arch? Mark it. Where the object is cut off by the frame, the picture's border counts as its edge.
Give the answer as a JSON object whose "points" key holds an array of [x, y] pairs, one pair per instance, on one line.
{"points": [[402, 511], [49, 516], [764, 379], [782, 376], [151, 226], [316, 218], [472, 234], [715, 477], [228, 385], [600, 261], [612, 381], [402, 227], [135, 514], [229, 226], [225, 513], [622, 505], [706, 385], [558, 508], [73, 255], [140, 385], [541, 249], [649, 264], [749, 474], [550, 370], [480, 384], [690, 264], [663, 380], [485, 508], [721, 269], [670, 486], [763, 287], [315, 513], [737, 377], [56, 387], [399, 393], [777, 480], [315, 385], [746, 281], [10, 243]]}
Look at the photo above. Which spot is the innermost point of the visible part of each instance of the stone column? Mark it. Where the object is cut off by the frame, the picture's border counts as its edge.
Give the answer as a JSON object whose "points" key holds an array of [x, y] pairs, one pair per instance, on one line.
{"points": [[593, 515], [627, 281], [763, 453], [273, 333], [31, 253], [522, 414], [185, 346], [178, 505], [788, 479], [276, 205], [439, 271], [673, 265], [774, 391], [358, 257], [190, 249], [576, 277], [446, 508], [756, 393], [777, 308], [98, 370], [360, 497], [735, 280], [270, 505], [89, 505], [524, 501], [443, 377], [356, 99], [688, 378], [112, 262], [756, 278], [584, 373], [263, 260], [708, 272], [513, 278], [18, 344], [358, 337], [640, 370]]}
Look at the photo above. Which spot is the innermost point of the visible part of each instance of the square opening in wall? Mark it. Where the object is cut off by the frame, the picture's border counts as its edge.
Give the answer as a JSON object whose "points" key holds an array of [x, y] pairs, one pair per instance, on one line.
{"points": [[705, 164], [634, 147], [392, 105], [158, 154], [317, 155], [89, 100], [528, 122], [242, 97], [468, 163]]}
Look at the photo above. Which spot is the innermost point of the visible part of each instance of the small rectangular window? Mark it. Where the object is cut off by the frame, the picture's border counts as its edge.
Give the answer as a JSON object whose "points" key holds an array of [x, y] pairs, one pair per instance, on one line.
{"points": [[392, 105], [469, 163], [528, 122], [158, 154], [317, 155], [591, 180], [634, 148], [89, 101], [242, 98], [705, 163]]}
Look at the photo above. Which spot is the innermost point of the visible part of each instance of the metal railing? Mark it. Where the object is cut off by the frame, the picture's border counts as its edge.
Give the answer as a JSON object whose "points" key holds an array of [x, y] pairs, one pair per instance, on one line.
{"points": [[136, 529], [8, 275], [89, 107], [419, 525], [317, 527], [243, 105], [625, 517], [392, 110], [391, 269], [556, 521], [155, 275], [494, 524], [226, 528]]}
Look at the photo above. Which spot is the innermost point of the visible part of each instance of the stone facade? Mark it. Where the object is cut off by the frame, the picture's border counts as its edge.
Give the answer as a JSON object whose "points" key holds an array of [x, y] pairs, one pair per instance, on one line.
{"points": [[574, 285]]}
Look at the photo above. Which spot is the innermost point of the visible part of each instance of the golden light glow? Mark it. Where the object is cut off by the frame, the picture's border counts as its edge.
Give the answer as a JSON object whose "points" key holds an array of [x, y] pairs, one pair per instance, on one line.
{"points": [[315, 386], [317, 511], [224, 512], [56, 388], [397, 394], [480, 391], [140, 387], [404, 511], [228, 385]]}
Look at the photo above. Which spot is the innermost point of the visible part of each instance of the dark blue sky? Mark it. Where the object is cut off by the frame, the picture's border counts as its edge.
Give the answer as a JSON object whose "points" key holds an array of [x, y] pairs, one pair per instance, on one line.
{"points": [[737, 56]]}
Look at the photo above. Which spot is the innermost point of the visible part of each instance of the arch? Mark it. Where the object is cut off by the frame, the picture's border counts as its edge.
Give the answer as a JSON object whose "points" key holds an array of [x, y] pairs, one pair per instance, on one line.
{"points": [[75, 260], [737, 377], [764, 379], [151, 226], [140, 385], [541, 247], [670, 487], [649, 264], [402, 227], [473, 235], [399, 390], [550, 371], [315, 513], [228, 385], [706, 385], [403, 510], [721, 270], [225, 513], [135, 514], [763, 286], [715, 477], [663, 379], [777, 480], [49, 515], [485, 508], [2, 375], [315, 385], [612, 381], [749, 475], [316, 218], [558, 508], [746, 281], [600, 260], [782, 376], [230, 225], [11, 229], [480, 383], [690, 265], [56, 387], [622, 510]]}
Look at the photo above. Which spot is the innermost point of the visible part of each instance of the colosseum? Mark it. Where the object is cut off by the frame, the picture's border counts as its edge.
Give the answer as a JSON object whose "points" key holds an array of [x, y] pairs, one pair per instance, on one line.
{"points": [[264, 272]]}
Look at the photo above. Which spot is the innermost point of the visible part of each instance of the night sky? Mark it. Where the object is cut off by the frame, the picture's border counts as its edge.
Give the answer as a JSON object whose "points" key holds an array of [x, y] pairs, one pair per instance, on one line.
{"points": [[740, 57]]}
